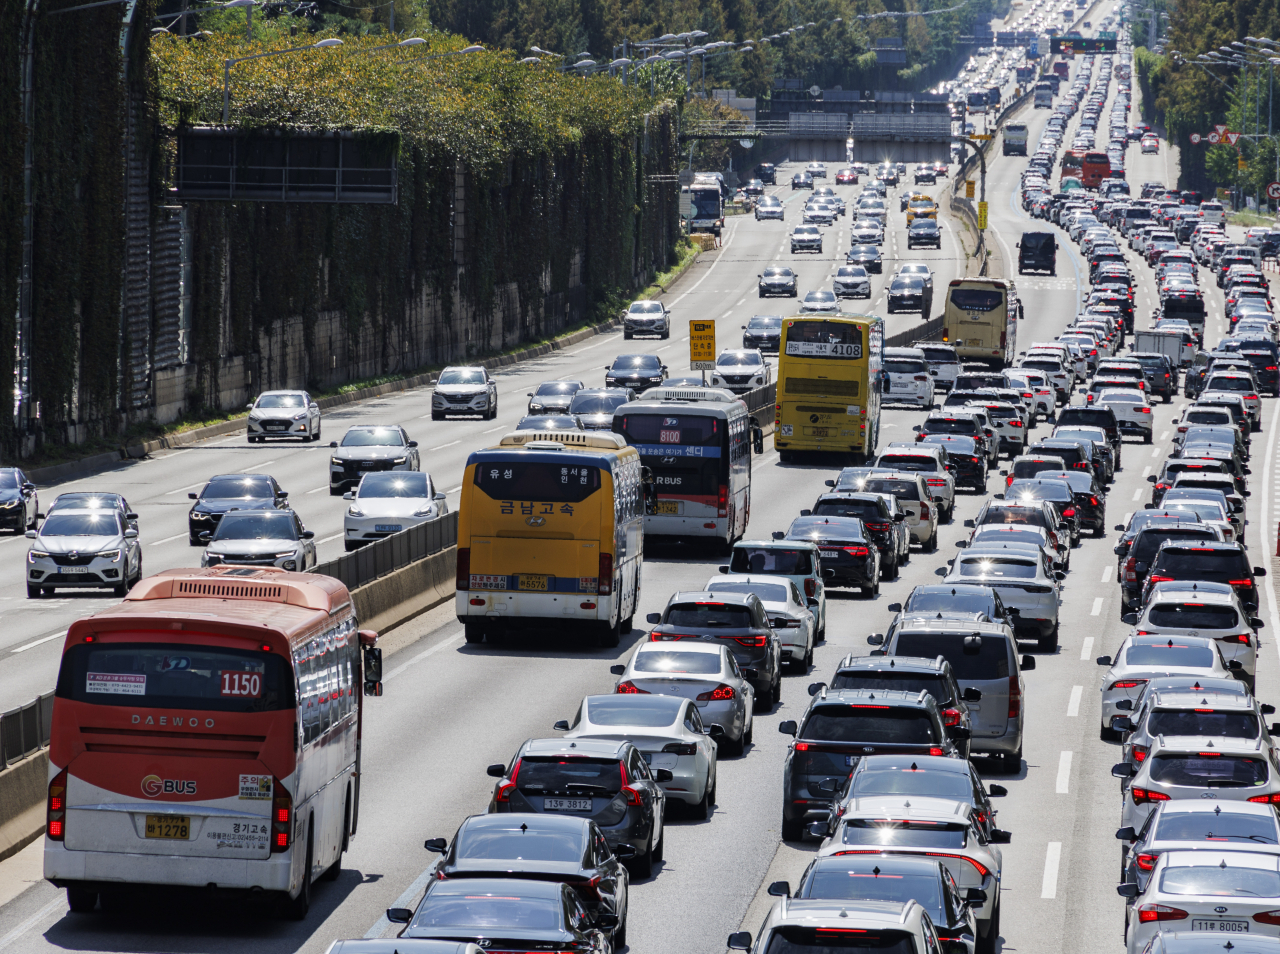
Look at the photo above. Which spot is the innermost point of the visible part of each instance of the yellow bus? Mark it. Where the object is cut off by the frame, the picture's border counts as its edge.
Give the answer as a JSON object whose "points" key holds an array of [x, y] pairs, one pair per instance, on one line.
{"points": [[551, 535], [981, 320], [829, 379]]}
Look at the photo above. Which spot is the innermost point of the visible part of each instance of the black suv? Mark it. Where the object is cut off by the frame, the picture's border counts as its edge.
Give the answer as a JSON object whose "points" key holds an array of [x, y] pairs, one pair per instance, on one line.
{"points": [[1161, 372], [231, 492], [1038, 251], [1206, 560], [838, 729], [874, 512], [967, 457], [1076, 415], [739, 621], [767, 173], [1136, 557], [1056, 492]]}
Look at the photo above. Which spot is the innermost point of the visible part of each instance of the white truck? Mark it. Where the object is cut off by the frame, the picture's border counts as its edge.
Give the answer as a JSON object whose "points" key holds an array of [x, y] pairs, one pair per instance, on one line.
{"points": [[1014, 139], [1169, 343]]}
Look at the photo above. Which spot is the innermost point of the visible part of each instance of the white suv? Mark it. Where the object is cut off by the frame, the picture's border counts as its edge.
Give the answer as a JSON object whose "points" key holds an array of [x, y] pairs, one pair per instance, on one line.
{"points": [[284, 414], [907, 375], [889, 925]]}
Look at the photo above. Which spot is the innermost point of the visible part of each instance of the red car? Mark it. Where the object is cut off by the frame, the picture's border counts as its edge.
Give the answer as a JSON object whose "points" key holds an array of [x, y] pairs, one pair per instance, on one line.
{"points": [[846, 177]]}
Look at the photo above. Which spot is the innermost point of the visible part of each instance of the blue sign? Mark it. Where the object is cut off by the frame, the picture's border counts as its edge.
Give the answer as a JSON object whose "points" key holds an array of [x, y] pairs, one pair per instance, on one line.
{"points": [[1033, 51], [676, 450]]}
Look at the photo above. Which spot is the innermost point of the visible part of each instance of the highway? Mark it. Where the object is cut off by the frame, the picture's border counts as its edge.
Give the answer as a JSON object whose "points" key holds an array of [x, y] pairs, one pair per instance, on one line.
{"points": [[450, 709]]}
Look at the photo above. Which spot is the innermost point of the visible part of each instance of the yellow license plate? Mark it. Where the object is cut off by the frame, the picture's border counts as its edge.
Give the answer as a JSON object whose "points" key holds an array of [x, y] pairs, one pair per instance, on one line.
{"points": [[668, 506], [974, 342], [816, 431], [530, 582], [174, 827]]}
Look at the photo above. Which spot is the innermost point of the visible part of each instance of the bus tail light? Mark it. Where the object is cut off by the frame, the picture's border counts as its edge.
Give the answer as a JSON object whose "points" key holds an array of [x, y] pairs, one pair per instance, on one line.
{"points": [[56, 810], [1004, 339], [722, 501], [281, 818], [604, 585], [463, 581]]}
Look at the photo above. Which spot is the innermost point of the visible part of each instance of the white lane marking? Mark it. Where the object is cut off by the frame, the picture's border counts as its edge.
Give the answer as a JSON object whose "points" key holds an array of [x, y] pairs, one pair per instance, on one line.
{"points": [[1052, 856], [1097, 606], [1106, 574], [1073, 704], [176, 536], [1064, 772], [719, 258], [331, 537], [58, 904], [500, 427], [1137, 494], [454, 490], [1086, 648], [265, 463], [38, 642], [1164, 435], [318, 489], [423, 655], [1146, 472], [443, 446], [406, 900], [170, 493], [1155, 452]]}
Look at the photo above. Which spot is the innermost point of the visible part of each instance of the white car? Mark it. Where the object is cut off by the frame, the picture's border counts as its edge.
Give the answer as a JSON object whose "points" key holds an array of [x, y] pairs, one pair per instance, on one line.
{"points": [[667, 730], [819, 213], [707, 673], [1142, 657], [387, 503], [866, 232], [873, 208], [769, 207], [260, 538], [851, 281], [817, 170], [791, 614], [1042, 393], [820, 301], [915, 499], [806, 237], [75, 549], [1238, 385], [893, 926], [284, 414], [1132, 411], [928, 460], [646, 318], [944, 364], [741, 370], [464, 390], [1199, 713], [907, 375], [1021, 578], [1212, 610]]}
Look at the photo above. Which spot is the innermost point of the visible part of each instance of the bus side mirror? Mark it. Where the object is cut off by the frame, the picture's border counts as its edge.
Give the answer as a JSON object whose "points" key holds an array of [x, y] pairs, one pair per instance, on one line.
{"points": [[757, 439], [373, 671]]}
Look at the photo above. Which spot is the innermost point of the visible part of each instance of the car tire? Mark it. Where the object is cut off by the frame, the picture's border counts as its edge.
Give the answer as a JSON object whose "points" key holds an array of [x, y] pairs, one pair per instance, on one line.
{"points": [[986, 943], [702, 810], [930, 545], [871, 592], [626, 336], [1147, 437], [1048, 644], [437, 415], [619, 939], [34, 593], [642, 865], [82, 900], [730, 748], [792, 830], [889, 571], [1011, 762]]}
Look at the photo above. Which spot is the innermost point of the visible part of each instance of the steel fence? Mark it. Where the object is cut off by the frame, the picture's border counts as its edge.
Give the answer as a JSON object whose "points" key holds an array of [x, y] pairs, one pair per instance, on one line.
{"points": [[761, 398], [25, 730], [393, 552]]}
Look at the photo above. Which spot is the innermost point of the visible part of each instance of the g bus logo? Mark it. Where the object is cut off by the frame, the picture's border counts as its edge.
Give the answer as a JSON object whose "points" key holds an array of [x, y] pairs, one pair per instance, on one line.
{"points": [[154, 785]]}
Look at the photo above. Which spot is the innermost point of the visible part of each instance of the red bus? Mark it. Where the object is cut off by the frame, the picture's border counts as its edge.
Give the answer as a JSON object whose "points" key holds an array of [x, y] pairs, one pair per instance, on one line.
{"points": [[206, 732], [1072, 162], [1094, 168]]}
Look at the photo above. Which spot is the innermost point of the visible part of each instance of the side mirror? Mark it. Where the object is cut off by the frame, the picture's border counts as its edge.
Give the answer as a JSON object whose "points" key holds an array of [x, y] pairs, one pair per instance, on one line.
{"points": [[975, 896], [333, 443], [750, 673], [828, 574], [806, 513], [1128, 833], [1259, 571], [282, 494], [1127, 890], [829, 786], [496, 771], [778, 535], [788, 727], [617, 670], [780, 889], [349, 495], [653, 618], [828, 483], [561, 726], [1103, 660], [1122, 770], [959, 732], [969, 524], [439, 496], [308, 534], [437, 845], [1059, 575], [193, 496], [894, 607], [999, 836], [818, 829], [970, 694], [997, 791], [716, 731], [413, 443], [899, 517], [606, 922], [1235, 665], [662, 775], [624, 852], [875, 639], [1129, 619], [739, 941], [1028, 662], [962, 544], [399, 915], [816, 687], [131, 534], [1119, 527], [31, 534]]}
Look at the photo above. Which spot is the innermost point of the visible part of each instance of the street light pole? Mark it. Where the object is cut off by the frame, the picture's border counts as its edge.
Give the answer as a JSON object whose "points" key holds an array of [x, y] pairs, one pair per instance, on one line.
{"points": [[227, 64]]}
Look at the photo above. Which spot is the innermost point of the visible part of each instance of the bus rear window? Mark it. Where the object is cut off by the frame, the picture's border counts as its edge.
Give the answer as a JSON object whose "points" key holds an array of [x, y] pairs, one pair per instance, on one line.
{"points": [[817, 338], [175, 676], [672, 429], [534, 480], [976, 299]]}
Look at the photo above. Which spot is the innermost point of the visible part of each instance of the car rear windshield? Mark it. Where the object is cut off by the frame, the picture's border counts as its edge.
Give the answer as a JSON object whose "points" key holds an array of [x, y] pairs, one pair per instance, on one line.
{"points": [[1193, 616], [940, 355], [748, 559], [912, 682], [651, 712], [508, 480], [569, 773], [913, 781], [915, 463], [1029, 468], [1204, 563], [1209, 770], [1048, 489], [951, 425], [796, 939], [177, 676], [863, 509], [676, 661], [905, 366], [999, 568], [395, 484], [868, 882], [985, 657], [1228, 384], [869, 723], [955, 599], [501, 915], [1149, 540], [1216, 826], [519, 841], [768, 592], [709, 615], [904, 834], [1174, 651], [1221, 882], [1229, 722], [902, 489], [1031, 516]]}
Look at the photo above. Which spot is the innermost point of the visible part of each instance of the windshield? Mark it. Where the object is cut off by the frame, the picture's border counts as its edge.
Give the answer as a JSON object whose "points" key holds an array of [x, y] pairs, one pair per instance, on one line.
{"points": [[767, 592], [237, 488], [84, 502], [912, 682], [1221, 881], [519, 841], [709, 615], [1216, 826], [373, 437], [649, 712], [257, 525], [643, 308], [976, 299], [750, 358], [1231, 723], [676, 661], [1193, 616], [845, 884], [998, 568], [824, 338], [561, 387], [396, 484], [904, 834], [870, 723], [462, 376], [764, 324], [281, 400], [1169, 653], [102, 523], [631, 361], [9, 480], [796, 939], [596, 403]]}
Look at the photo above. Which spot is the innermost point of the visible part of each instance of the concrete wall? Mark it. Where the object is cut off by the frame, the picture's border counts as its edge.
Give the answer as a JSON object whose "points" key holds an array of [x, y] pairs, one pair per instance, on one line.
{"points": [[23, 788]]}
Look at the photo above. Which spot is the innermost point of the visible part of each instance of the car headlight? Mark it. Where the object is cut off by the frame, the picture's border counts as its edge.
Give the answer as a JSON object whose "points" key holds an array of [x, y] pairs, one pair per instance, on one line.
{"points": [[289, 565], [9, 504], [201, 516], [424, 513], [286, 553], [355, 512], [336, 460], [399, 460], [299, 417], [33, 555], [108, 554]]}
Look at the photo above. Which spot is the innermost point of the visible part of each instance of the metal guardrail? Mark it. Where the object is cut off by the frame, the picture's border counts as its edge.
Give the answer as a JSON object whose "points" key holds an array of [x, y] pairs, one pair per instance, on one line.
{"points": [[25, 730], [392, 553], [761, 398]]}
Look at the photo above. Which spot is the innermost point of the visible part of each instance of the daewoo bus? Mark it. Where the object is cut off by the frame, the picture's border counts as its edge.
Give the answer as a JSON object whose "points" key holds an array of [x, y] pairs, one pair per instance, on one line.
{"points": [[829, 381], [1072, 164], [206, 733], [981, 319], [696, 443], [550, 533], [1094, 167]]}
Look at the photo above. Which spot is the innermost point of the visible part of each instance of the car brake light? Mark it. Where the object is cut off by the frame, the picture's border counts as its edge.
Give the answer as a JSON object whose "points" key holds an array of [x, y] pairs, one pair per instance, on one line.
{"points": [[56, 808], [717, 694], [505, 789], [1157, 578], [1144, 795], [751, 640], [681, 748], [810, 587], [1093, 502], [1139, 752], [1127, 683], [281, 817], [1015, 698], [950, 716], [856, 551], [924, 511], [1240, 582], [630, 688], [1272, 799], [1130, 570], [722, 501], [1147, 860], [604, 584], [1241, 638], [463, 580], [1159, 912]]}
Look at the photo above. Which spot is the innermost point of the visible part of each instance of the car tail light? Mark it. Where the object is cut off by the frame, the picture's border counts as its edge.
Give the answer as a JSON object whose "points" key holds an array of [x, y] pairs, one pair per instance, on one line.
{"points": [[663, 637], [604, 585], [1130, 570], [681, 748], [1241, 638], [1146, 861], [506, 788], [1272, 799], [630, 688], [752, 641], [1240, 582], [281, 817], [463, 581], [1143, 795], [1093, 502], [950, 716], [1251, 397], [1015, 698], [1008, 480], [1157, 578], [1159, 912], [1139, 752], [810, 587], [924, 511], [982, 869], [1144, 410], [945, 335], [935, 482], [856, 551], [921, 377], [1069, 512], [1127, 683], [722, 501], [718, 694], [56, 809]]}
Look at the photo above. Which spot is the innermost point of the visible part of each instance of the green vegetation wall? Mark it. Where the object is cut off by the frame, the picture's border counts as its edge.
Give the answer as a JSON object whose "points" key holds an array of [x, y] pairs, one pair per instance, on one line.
{"points": [[12, 143], [510, 176]]}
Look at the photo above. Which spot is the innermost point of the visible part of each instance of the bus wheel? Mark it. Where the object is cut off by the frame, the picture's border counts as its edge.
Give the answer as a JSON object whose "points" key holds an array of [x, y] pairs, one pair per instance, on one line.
{"points": [[609, 635], [786, 457], [295, 909], [81, 900], [472, 632]]}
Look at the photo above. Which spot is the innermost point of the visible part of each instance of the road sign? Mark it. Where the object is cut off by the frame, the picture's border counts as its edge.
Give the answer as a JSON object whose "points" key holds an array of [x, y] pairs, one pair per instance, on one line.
{"points": [[1033, 51], [686, 177], [1214, 138], [815, 90], [1273, 190], [702, 345], [1232, 137], [982, 215], [1219, 129], [1195, 139], [1081, 44], [746, 143], [968, 188], [985, 137], [1106, 34]]}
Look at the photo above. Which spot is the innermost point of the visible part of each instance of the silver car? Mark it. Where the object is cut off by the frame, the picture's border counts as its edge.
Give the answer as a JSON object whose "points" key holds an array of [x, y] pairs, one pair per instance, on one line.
{"points": [[1202, 608], [866, 232], [367, 448], [1019, 574], [821, 302], [461, 390], [384, 504], [790, 613], [78, 549], [807, 238], [769, 207], [646, 318], [260, 538], [284, 414], [1202, 713], [851, 281]]}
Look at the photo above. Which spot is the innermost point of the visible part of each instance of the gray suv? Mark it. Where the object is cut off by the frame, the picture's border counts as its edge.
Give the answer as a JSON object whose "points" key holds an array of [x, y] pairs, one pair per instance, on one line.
{"points": [[605, 780]]}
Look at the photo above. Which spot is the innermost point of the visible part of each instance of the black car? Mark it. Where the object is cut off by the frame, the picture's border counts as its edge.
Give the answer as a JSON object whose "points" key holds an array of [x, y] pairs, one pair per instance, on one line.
{"points": [[1206, 560], [801, 180], [926, 175], [1161, 372], [967, 457], [1266, 370], [868, 256], [740, 621], [1057, 492], [232, 492], [754, 187], [924, 232], [873, 510], [19, 502], [842, 726], [509, 913], [604, 780], [553, 397], [777, 281], [1143, 547], [1038, 251], [767, 173], [549, 422], [847, 549], [542, 847], [763, 332], [1090, 500], [906, 293], [1077, 415], [635, 371]]}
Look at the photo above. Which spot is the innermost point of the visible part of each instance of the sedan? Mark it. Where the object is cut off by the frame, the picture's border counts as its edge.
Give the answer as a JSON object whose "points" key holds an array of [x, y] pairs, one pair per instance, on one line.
{"points": [[847, 550], [924, 232], [553, 397], [801, 180], [906, 294], [846, 177], [763, 333], [384, 504], [868, 256], [552, 422], [83, 548], [232, 492], [769, 207], [367, 448], [777, 281], [807, 238], [817, 170], [866, 232], [593, 407], [260, 538], [669, 733], [284, 414], [790, 614], [851, 281], [821, 302], [636, 371]]}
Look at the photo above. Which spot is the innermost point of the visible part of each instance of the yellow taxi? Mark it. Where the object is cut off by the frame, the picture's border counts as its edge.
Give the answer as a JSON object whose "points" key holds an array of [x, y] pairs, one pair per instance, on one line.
{"points": [[921, 206]]}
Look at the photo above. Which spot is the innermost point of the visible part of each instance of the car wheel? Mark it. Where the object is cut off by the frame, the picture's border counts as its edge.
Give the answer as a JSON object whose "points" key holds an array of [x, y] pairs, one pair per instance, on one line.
{"points": [[642, 865], [1049, 643], [986, 943], [34, 593], [792, 830], [731, 748], [871, 592], [437, 415], [702, 810], [1011, 762], [1146, 438], [931, 545]]}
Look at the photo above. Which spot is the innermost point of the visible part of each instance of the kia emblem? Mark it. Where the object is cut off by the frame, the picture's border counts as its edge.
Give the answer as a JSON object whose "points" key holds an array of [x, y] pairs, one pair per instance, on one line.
{"points": [[1220, 909]]}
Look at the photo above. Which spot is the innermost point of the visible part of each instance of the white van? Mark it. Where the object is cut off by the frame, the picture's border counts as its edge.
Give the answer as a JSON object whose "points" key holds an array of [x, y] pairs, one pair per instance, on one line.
{"points": [[1213, 213]]}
